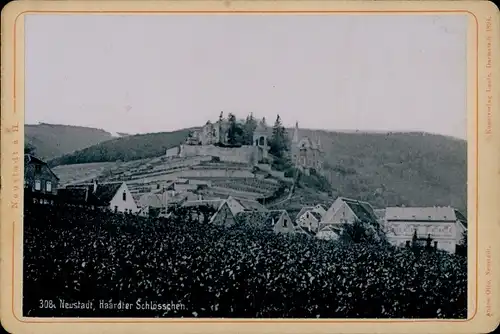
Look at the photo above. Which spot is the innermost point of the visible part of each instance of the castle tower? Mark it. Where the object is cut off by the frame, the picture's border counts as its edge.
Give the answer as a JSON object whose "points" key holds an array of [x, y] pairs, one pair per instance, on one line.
{"points": [[220, 135], [295, 144], [295, 139], [260, 138]]}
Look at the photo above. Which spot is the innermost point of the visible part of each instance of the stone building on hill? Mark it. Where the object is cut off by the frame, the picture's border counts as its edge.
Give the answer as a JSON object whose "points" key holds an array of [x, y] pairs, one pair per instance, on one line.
{"points": [[212, 141], [261, 139], [306, 154], [211, 133]]}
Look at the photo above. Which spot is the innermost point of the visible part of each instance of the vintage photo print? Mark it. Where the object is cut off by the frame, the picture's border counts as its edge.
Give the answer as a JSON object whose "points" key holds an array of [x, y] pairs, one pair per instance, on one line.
{"points": [[250, 166]]}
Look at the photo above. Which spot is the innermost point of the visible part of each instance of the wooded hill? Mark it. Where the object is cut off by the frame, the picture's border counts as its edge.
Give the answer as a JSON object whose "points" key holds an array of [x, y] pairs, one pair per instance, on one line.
{"points": [[413, 169], [52, 140]]}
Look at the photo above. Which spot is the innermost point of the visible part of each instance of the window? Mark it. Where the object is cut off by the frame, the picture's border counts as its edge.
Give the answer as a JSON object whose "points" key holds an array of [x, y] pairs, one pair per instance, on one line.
{"points": [[38, 168], [48, 186], [38, 185], [261, 141], [285, 223], [116, 208], [124, 196]]}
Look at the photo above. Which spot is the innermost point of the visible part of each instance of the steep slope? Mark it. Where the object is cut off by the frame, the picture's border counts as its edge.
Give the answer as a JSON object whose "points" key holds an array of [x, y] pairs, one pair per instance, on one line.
{"points": [[415, 169], [52, 140]]}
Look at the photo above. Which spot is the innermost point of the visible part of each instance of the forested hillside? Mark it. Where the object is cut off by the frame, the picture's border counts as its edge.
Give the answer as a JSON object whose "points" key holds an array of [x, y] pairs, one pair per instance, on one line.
{"points": [[125, 148], [48, 141], [384, 169]]}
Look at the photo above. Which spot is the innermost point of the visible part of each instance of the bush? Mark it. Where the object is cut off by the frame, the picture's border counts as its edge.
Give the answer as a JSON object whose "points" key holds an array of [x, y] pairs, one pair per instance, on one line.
{"points": [[77, 254]]}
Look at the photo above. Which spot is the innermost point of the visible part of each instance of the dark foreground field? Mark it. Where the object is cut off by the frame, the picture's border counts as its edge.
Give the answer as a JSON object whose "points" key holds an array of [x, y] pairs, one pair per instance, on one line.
{"points": [[166, 268]]}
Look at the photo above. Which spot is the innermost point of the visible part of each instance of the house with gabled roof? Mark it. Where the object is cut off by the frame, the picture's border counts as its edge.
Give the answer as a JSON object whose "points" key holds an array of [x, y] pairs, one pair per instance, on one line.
{"points": [[303, 210], [347, 210], [222, 213], [39, 180], [310, 220], [444, 225], [309, 217], [112, 195], [238, 205], [152, 204], [277, 221], [329, 232]]}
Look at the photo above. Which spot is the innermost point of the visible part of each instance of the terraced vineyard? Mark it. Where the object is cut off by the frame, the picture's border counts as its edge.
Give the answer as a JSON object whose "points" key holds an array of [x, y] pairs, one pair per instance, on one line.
{"points": [[82, 172], [207, 177]]}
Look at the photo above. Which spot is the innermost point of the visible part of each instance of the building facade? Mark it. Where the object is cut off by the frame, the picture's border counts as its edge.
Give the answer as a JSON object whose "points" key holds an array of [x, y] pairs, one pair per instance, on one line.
{"points": [[38, 177], [444, 225], [306, 153]]}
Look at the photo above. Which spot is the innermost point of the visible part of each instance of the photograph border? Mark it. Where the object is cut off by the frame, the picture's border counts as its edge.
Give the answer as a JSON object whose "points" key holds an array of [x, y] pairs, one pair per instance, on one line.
{"points": [[12, 90]]}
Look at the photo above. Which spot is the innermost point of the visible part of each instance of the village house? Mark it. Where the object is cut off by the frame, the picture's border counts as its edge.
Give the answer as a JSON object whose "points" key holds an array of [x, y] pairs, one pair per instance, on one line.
{"points": [[277, 221], [309, 217], [222, 213], [151, 204], [329, 232], [238, 205], [345, 210], [306, 154], [114, 196], [444, 225], [39, 180]]}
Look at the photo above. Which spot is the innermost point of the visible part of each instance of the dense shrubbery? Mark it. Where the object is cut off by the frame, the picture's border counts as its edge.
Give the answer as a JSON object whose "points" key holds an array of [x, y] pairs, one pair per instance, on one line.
{"points": [[80, 255], [315, 180]]}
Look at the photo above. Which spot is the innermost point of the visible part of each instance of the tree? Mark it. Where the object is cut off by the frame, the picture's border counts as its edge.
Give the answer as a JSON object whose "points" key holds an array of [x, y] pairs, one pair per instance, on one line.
{"points": [[248, 130], [461, 248], [235, 131], [279, 139]]}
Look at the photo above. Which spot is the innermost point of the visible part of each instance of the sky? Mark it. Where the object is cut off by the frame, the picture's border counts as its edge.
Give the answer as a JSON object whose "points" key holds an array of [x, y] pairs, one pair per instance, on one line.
{"points": [[145, 73]]}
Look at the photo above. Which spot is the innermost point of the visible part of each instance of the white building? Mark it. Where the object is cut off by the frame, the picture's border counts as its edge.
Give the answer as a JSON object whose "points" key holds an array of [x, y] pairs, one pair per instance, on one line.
{"points": [[309, 218], [444, 225]]}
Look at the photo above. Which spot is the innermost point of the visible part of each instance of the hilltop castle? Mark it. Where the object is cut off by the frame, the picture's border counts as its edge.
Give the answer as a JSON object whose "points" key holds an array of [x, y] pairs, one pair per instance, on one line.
{"points": [[305, 153]]}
